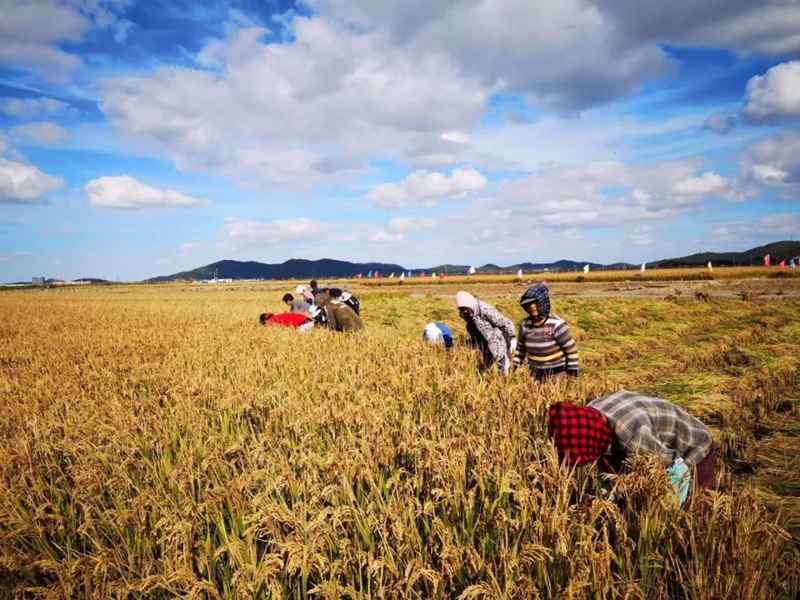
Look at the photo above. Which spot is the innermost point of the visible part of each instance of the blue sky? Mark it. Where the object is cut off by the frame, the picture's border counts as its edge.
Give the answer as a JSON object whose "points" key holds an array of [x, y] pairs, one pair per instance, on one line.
{"points": [[141, 138]]}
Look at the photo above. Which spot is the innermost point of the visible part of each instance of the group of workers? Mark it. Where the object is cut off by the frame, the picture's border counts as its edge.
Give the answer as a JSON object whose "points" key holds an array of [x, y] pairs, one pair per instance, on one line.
{"points": [[333, 308], [605, 432]]}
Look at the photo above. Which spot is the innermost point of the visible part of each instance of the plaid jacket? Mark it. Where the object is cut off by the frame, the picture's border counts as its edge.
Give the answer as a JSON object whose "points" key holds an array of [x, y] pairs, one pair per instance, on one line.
{"points": [[646, 425]]}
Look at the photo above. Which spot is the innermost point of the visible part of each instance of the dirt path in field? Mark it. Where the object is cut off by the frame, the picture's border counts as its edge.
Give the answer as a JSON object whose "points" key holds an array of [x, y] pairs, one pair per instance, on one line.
{"points": [[757, 288]]}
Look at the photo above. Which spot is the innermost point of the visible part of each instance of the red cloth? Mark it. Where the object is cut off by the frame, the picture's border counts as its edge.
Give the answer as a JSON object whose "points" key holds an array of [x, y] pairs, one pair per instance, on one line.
{"points": [[293, 320], [581, 433]]}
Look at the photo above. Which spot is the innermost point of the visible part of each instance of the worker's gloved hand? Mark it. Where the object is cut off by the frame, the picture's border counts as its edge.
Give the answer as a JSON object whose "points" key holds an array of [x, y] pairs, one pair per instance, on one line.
{"points": [[513, 349], [681, 477]]}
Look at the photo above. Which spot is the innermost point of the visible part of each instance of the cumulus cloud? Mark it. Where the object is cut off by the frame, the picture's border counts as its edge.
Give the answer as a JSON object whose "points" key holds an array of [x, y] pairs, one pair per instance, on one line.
{"points": [[29, 108], [774, 162], [125, 192], [252, 233], [46, 134], [771, 227], [775, 96], [412, 223], [31, 31], [642, 236], [720, 124], [424, 186], [380, 236], [25, 183]]}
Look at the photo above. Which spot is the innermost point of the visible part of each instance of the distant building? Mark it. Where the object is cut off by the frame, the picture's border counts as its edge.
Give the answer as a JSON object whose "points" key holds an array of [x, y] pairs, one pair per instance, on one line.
{"points": [[37, 280]]}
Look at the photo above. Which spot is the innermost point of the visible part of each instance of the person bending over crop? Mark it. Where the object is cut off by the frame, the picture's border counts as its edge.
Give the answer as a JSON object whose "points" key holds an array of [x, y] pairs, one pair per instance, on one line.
{"points": [[297, 321], [544, 338], [307, 296], [339, 316], [438, 333], [315, 289], [611, 428], [489, 331], [296, 306]]}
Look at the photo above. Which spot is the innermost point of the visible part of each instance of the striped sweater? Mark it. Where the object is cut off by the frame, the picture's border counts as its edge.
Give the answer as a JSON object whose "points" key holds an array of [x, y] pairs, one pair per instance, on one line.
{"points": [[549, 347]]}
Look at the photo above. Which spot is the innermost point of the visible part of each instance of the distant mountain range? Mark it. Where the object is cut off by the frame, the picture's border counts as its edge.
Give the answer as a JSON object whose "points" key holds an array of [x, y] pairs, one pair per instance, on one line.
{"points": [[328, 268]]}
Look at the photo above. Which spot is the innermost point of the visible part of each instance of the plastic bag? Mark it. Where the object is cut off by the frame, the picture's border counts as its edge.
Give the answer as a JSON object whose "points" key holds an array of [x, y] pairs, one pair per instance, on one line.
{"points": [[681, 477]]}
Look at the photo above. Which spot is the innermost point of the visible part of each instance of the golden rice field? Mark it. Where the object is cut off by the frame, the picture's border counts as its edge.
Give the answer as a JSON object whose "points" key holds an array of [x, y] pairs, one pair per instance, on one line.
{"points": [[156, 443]]}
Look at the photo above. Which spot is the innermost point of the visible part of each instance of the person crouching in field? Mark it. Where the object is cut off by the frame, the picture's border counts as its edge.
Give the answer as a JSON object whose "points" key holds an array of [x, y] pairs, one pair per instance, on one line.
{"points": [[351, 301], [307, 296], [338, 315], [614, 427], [544, 339], [296, 305], [438, 333], [489, 331], [297, 321]]}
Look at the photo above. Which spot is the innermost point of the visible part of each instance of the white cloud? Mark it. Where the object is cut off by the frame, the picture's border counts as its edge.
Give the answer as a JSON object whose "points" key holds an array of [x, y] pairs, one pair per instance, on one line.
{"points": [[190, 246], [771, 227], [412, 223], [775, 96], [719, 123], [774, 162], [58, 262], [31, 31], [642, 236], [46, 134], [125, 192], [3, 142], [30, 108], [252, 233], [459, 137], [423, 186], [5, 259], [380, 236], [25, 183], [21, 253]]}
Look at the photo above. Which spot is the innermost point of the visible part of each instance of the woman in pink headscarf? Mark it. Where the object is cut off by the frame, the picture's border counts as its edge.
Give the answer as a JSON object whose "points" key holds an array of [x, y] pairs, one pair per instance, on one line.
{"points": [[489, 331]]}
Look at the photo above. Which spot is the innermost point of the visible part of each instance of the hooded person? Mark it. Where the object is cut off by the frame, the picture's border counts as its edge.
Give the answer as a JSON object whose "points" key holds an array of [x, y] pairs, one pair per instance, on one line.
{"points": [[438, 333], [305, 294], [298, 321], [340, 316], [614, 427], [544, 338], [489, 331]]}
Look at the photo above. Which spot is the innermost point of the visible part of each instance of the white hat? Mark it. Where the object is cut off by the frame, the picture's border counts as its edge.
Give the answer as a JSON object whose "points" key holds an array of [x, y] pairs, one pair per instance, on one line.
{"points": [[300, 289]]}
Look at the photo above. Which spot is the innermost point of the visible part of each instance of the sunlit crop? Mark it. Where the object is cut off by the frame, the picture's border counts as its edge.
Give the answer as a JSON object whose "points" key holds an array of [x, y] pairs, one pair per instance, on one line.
{"points": [[157, 443]]}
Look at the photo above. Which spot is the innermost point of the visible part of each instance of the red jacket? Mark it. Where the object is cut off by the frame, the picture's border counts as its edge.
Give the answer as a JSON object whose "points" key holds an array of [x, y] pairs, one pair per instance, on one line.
{"points": [[293, 320]]}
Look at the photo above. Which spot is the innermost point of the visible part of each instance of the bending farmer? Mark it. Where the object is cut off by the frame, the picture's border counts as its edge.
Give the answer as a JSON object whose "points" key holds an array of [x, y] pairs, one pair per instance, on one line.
{"points": [[489, 331]]}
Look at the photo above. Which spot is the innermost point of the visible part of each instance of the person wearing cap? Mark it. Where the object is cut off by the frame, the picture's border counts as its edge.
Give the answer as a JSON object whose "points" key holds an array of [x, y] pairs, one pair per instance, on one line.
{"points": [[438, 333], [297, 321], [614, 427], [489, 331], [351, 301], [307, 296], [340, 316], [544, 338], [296, 305]]}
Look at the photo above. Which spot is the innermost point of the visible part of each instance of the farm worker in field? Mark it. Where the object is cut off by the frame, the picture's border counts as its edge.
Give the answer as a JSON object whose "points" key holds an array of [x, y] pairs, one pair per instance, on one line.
{"points": [[297, 321], [544, 339], [315, 289], [351, 301], [340, 317], [611, 428], [296, 306], [438, 333], [489, 331], [307, 296]]}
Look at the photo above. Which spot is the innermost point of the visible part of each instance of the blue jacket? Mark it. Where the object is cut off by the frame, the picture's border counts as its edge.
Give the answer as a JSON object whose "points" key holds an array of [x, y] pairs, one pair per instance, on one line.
{"points": [[436, 332]]}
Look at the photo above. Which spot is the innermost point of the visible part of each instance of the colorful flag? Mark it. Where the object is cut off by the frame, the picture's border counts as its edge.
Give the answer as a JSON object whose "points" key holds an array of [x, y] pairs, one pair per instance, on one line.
{"points": [[644, 267], [391, 276], [375, 275], [586, 268], [791, 263], [409, 273], [441, 275], [422, 274], [519, 274], [766, 260], [434, 274], [358, 276], [783, 265], [710, 268], [472, 270], [402, 276]]}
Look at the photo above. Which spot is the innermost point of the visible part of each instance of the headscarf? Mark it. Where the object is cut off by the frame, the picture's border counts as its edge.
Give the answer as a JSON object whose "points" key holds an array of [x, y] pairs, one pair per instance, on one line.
{"points": [[581, 433], [466, 300], [537, 294], [432, 334], [300, 290], [346, 295]]}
